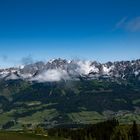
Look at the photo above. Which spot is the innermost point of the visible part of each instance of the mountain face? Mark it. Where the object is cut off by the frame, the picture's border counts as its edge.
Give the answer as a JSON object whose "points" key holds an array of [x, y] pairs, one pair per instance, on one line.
{"points": [[62, 92], [59, 69]]}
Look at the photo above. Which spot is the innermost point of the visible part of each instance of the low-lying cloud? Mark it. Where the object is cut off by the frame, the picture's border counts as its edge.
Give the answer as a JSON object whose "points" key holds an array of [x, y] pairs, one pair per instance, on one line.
{"points": [[52, 75], [84, 67]]}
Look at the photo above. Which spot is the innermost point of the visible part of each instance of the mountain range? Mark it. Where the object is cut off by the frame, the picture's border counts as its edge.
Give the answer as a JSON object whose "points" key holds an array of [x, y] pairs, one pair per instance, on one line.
{"points": [[61, 69]]}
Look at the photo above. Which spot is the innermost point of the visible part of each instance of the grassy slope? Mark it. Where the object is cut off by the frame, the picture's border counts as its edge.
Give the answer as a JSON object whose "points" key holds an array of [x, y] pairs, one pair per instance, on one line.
{"points": [[79, 101], [24, 136]]}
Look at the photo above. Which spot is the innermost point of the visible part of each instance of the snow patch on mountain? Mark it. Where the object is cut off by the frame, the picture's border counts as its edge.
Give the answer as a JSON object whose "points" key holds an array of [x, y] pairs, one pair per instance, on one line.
{"points": [[12, 76]]}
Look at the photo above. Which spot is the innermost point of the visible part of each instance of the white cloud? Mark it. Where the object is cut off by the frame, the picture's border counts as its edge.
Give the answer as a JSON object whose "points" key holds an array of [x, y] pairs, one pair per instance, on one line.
{"points": [[106, 69], [132, 25], [84, 67], [52, 75], [121, 22]]}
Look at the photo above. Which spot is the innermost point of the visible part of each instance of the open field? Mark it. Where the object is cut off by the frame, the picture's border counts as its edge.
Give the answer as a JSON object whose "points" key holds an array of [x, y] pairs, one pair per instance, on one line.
{"points": [[24, 136]]}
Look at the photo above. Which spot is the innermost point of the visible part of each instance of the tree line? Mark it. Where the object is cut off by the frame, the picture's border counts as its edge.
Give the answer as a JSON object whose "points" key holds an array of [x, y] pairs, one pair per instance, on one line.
{"points": [[108, 130]]}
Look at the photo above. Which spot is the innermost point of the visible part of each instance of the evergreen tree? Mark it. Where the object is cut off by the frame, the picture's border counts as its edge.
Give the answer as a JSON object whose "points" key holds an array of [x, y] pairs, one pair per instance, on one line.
{"points": [[134, 133]]}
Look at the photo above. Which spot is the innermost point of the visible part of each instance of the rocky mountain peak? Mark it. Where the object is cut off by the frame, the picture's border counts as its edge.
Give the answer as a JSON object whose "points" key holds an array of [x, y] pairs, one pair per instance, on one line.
{"points": [[67, 70]]}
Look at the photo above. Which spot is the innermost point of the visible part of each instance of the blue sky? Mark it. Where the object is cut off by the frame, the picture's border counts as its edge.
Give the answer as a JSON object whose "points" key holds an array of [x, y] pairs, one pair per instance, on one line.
{"points": [[102, 30]]}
